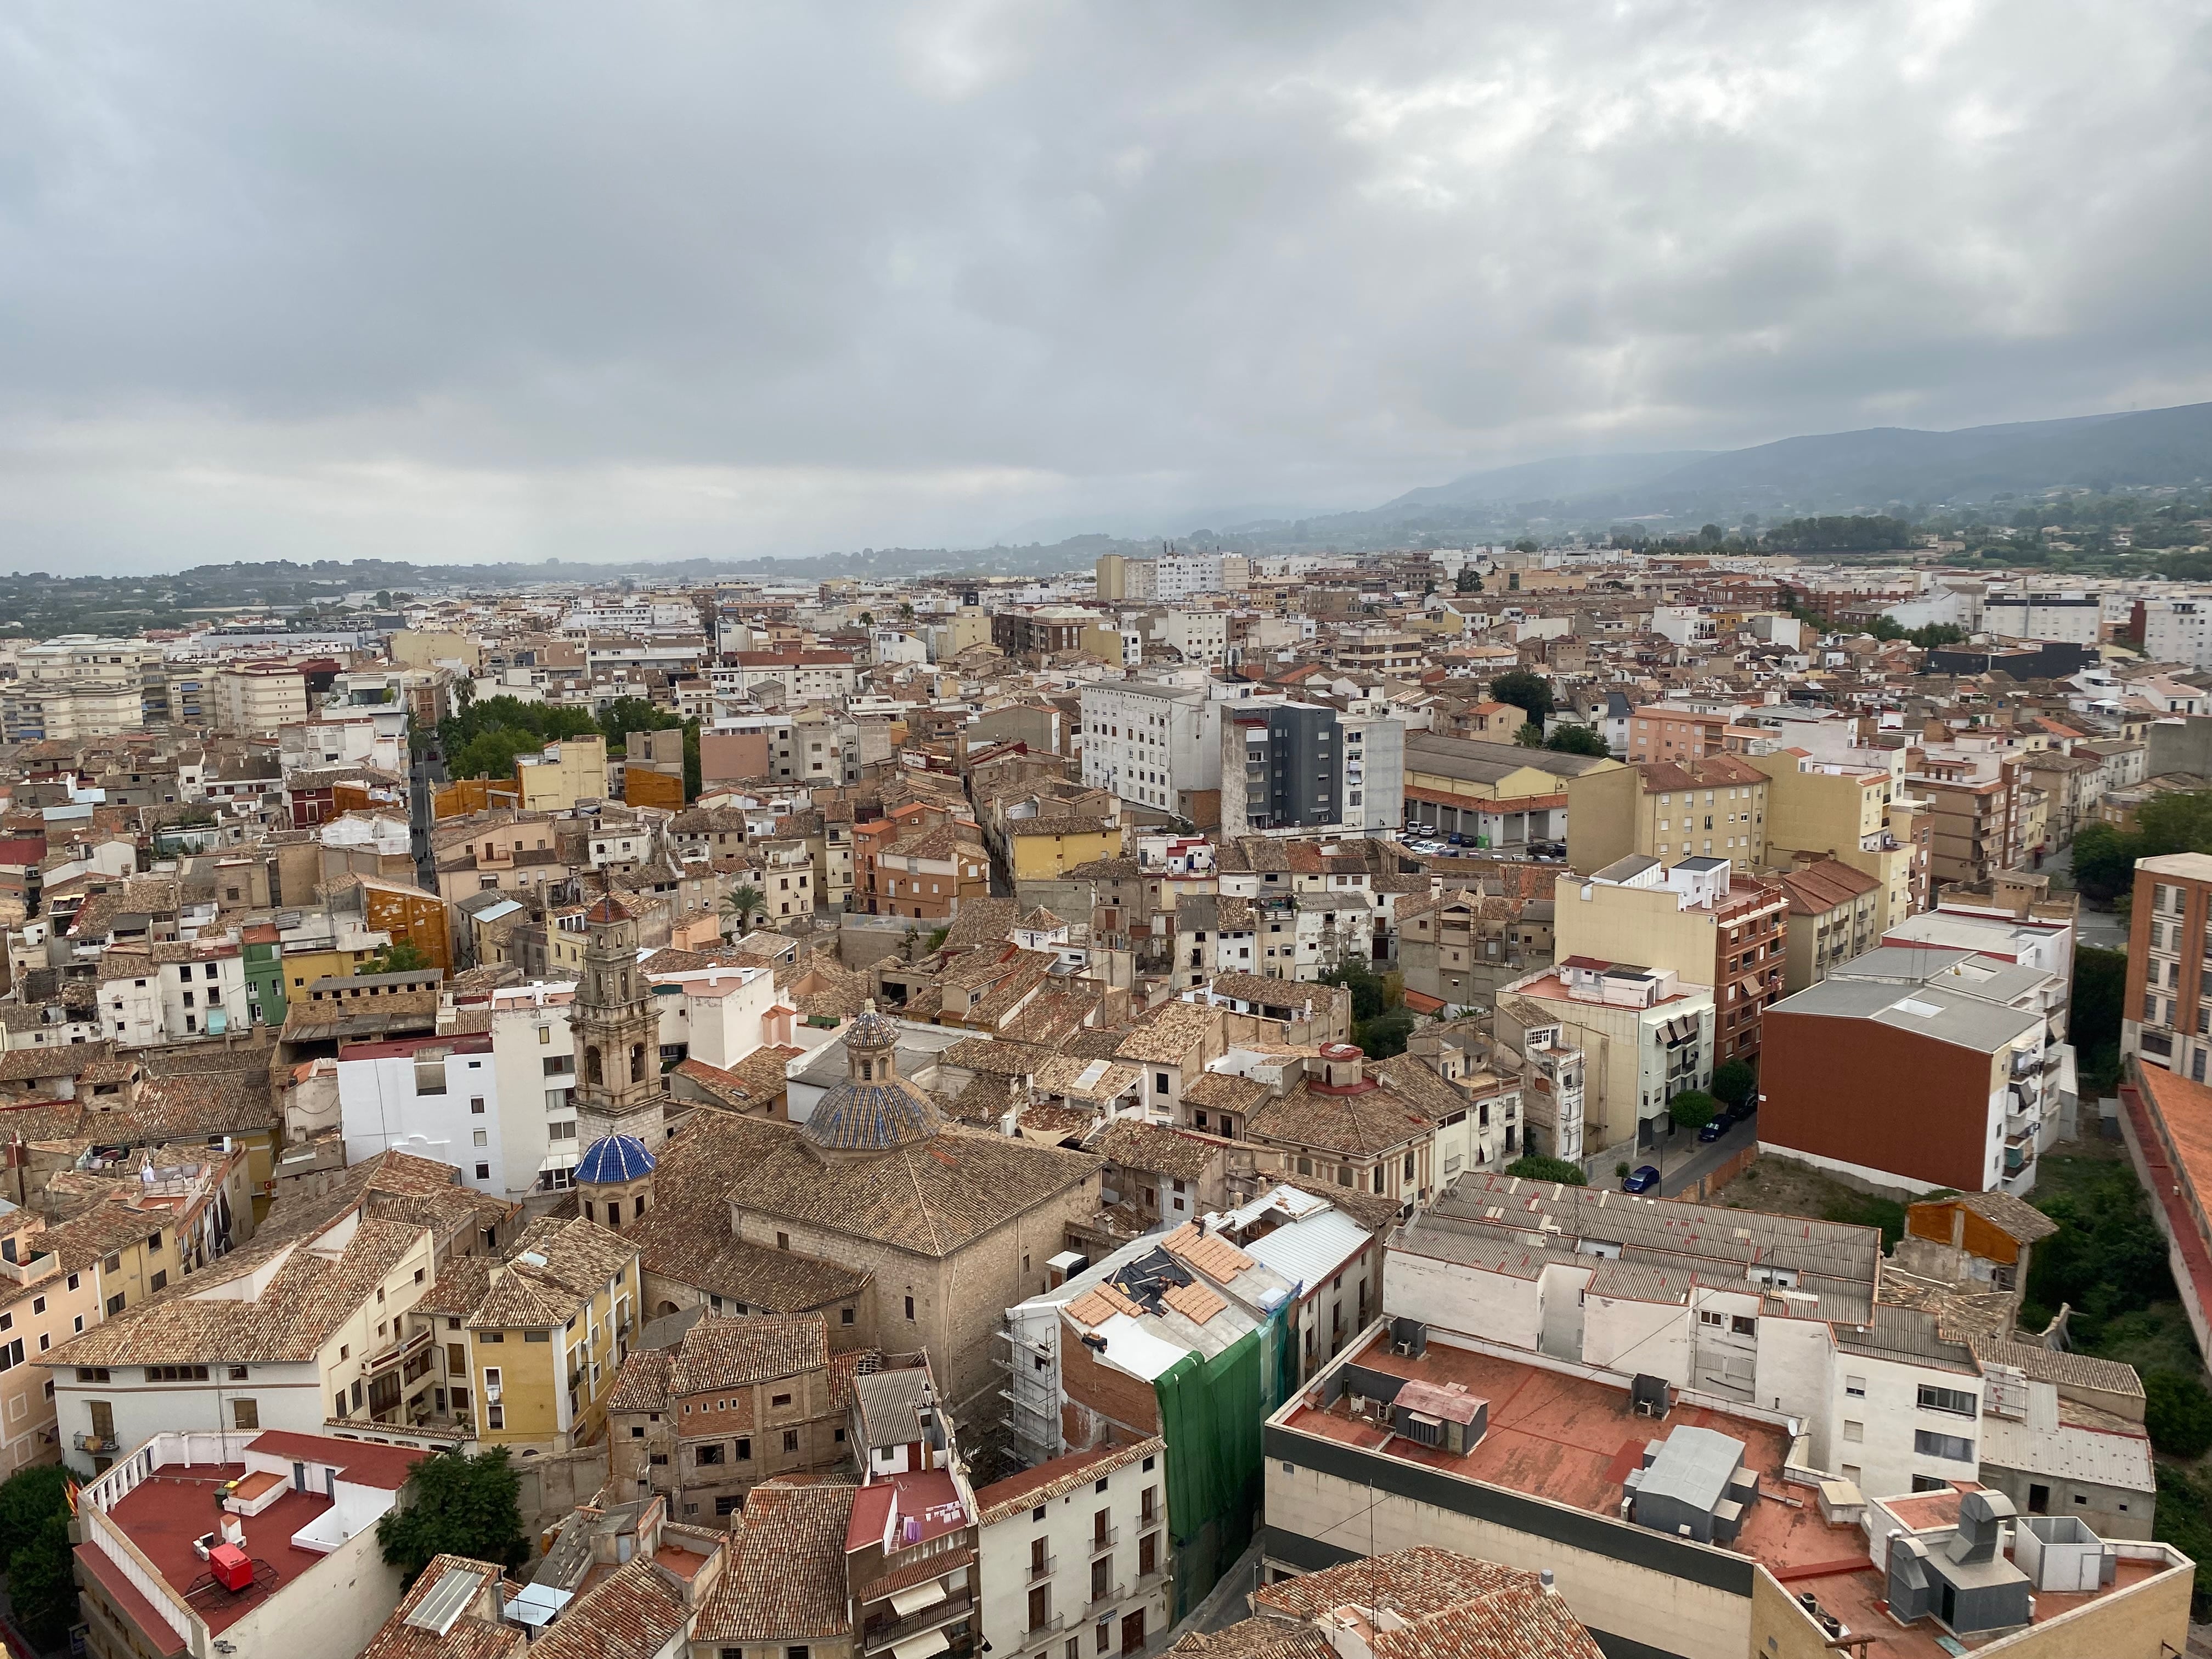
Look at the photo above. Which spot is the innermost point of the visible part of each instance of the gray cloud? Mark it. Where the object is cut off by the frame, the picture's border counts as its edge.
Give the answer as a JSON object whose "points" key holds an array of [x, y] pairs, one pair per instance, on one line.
{"points": [[504, 279]]}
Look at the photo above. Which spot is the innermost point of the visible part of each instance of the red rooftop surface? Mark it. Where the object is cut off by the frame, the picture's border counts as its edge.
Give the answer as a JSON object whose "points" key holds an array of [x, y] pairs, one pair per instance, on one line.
{"points": [[927, 1498], [163, 1513], [1573, 1441], [362, 1461]]}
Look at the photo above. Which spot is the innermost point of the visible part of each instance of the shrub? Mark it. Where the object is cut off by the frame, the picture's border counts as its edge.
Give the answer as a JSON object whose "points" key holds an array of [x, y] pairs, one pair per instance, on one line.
{"points": [[2177, 1412], [1551, 1169]]}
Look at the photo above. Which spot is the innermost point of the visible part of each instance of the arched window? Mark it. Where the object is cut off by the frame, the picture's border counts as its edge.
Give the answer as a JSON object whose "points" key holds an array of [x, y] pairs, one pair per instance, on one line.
{"points": [[867, 1070], [593, 1073], [637, 1062]]}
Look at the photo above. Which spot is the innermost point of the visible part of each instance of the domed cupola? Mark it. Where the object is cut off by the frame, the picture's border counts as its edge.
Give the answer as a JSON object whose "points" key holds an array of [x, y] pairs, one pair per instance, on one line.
{"points": [[874, 1109], [614, 1181]]}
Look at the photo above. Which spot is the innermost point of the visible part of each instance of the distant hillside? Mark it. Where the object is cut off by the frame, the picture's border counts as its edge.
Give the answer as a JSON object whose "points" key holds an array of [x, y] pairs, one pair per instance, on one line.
{"points": [[1877, 469]]}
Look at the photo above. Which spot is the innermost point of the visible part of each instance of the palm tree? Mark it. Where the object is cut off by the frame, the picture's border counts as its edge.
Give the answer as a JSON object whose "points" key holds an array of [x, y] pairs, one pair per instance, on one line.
{"points": [[742, 904]]}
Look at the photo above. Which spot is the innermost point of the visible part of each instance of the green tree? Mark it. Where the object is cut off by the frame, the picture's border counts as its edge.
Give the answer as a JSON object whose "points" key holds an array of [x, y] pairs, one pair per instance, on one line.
{"points": [[2184, 1519], [1385, 1035], [2178, 1413], [1468, 581], [2104, 861], [1550, 1168], [1530, 693], [456, 1505], [2101, 980], [42, 1586], [1937, 633], [1526, 544], [627, 715], [741, 904], [490, 754], [1528, 735], [402, 956], [2107, 1258], [1578, 740], [1693, 1108], [28, 1499], [1733, 1082], [1369, 996]]}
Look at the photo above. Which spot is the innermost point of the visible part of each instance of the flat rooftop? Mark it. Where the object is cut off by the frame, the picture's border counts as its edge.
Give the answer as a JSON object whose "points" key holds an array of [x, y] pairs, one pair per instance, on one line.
{"points": [[163, 1513], [1573, 1441]]}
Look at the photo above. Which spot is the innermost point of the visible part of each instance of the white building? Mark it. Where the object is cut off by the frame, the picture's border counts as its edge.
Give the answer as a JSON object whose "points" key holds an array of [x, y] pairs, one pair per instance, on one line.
{"points": [[303, 1517], [1150, 742], [2065, 616], [430, 1097], [1201, 635], [1046, 1534], [276, 1336], [2179, 630], [202, 991], [1684, 624]]}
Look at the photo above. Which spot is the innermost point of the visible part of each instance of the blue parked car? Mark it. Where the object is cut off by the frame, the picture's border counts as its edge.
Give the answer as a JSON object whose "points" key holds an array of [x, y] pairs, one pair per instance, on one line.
{"points": [[1720, 1125], [1643, 1179]]}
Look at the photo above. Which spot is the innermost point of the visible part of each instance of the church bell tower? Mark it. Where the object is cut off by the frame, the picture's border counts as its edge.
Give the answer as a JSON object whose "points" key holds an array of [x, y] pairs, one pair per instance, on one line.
{"points": [[617, 1033]]}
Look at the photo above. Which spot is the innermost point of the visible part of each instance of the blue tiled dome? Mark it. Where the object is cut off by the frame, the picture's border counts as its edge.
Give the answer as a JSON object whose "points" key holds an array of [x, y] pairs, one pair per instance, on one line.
{"points": [[614, 1158], [872, 1117]]}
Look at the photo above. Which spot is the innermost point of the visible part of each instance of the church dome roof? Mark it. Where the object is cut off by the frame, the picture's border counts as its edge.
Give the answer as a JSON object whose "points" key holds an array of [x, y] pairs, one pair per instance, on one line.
{"points": [[871, 1030], [615, 1159], [873, 1117]]}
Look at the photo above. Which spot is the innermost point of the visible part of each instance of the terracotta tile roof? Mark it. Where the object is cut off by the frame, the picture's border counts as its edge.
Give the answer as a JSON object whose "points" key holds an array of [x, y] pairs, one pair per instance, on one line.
{"points": [[929, 1197], [469, 1636], [1225, 1091], [632, 1613], [1353, 1125], [1017, 1493], [309, 1295], [1170, 1033], [553, 1270], [786, 1579], [641, 1384], [686, 1235], [1100, 1303], [1195, 1302], [1135, 1145], [721, 1352], [1209, 1253], [1256, 1638]]}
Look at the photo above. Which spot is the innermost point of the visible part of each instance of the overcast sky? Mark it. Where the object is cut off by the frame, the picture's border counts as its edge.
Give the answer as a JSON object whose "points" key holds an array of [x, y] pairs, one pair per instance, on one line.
{"points": [[460, 282]]}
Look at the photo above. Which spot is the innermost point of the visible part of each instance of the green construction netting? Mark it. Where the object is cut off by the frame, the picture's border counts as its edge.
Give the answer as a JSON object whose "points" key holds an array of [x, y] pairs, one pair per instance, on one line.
{"points": [[1212, 1412]]}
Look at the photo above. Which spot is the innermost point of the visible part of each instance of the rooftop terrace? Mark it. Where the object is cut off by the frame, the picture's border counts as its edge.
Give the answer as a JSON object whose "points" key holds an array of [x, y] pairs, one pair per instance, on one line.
{"points": [[1572, 1440]]}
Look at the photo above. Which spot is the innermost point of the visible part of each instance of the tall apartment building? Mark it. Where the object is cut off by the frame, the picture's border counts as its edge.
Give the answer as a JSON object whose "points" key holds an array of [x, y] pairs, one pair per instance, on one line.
{"points": [[1699, 918], [1292, 768], [1149, 742], [2165, 1017], [254, 699], [1714, 807], [1975, 818], [2071, 616], [82, 686], [1647, 1036], [2179, 630], [1818, 809], [1122, 579]]}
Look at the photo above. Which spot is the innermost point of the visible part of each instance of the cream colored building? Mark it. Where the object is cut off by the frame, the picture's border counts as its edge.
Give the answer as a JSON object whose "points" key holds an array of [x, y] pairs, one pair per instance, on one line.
{"points": [[572, 770], [254, 699], [82, 686], [1827, 810], [1715, 807]]}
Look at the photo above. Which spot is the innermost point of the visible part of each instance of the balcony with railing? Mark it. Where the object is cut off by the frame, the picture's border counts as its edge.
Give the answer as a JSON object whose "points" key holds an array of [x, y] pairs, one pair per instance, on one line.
{"points": [[1098, 1604], [1043, 1569], [1102, 1542], [888, 1634]]}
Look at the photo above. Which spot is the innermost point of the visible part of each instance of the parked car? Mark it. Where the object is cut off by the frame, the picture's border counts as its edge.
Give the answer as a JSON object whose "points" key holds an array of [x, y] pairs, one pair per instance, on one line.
{"points": [[1643, 1179], [1457, 839], [1720, 1124]]}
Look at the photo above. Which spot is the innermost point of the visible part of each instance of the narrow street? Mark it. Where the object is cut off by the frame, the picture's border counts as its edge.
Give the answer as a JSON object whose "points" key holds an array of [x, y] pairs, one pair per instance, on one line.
{"points": [[1690, 1159]]}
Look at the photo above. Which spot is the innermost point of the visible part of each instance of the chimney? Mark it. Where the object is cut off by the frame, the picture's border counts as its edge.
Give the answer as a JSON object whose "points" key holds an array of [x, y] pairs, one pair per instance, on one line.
{"points": [[1546, 1582]]}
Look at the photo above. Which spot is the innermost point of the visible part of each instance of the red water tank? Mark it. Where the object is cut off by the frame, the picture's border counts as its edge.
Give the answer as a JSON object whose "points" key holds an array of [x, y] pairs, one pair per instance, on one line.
{"points": [[230, 1567]]}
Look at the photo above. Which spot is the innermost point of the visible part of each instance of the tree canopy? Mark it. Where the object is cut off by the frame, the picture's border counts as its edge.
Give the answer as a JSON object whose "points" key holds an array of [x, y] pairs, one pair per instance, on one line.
{"points": [[1578, 740], [1854, 533], [35, 1543], [2105, 857], [1693, 1108], [402, 956], [1530, 693], [1733, 1082], [456, 1505]]}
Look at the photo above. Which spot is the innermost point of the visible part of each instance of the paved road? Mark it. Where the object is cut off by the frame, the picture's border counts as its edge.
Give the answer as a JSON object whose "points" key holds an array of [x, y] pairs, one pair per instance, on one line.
{"points": [[1684, 1166]]}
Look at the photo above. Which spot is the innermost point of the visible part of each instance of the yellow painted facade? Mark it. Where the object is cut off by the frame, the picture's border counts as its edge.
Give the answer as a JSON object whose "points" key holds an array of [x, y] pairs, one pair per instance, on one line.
{"points": [[533, 1369], [1046, 858]]}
